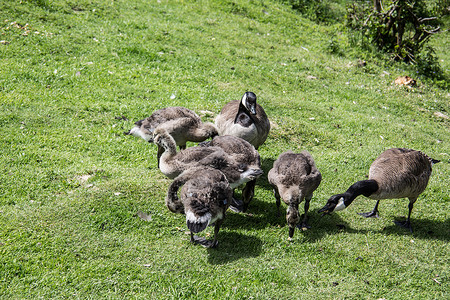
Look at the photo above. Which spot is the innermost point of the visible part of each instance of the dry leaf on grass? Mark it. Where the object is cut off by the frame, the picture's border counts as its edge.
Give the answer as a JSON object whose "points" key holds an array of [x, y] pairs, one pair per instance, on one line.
{"points": [[143, 216], [441, 115]]}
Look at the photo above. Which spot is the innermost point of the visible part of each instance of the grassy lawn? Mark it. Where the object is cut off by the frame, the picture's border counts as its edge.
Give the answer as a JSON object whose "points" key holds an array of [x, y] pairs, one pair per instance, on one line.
{"points": [[74, 75]]}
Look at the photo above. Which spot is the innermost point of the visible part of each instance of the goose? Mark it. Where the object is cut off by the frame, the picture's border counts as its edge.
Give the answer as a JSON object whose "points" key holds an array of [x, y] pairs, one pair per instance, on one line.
{"points": [[396, 173], [245, 119], [183, 124], [173, 163], [204, 199], [242, 152], [294, 177]]}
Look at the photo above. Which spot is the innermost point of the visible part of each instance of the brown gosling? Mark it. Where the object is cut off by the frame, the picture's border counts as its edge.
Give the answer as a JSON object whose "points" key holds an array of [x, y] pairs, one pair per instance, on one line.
{"points": [[173, 163], [243, 153], [181, 123], [294, 178], [205, 198]]}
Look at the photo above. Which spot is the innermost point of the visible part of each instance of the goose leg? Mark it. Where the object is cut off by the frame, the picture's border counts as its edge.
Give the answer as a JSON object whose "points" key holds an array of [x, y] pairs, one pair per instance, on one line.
{"points": [[407, 224], [278, 202], [236, 204], [207, 243], [373, 213], [292, 219], [216, 232], [247, 193], [304, 225]]}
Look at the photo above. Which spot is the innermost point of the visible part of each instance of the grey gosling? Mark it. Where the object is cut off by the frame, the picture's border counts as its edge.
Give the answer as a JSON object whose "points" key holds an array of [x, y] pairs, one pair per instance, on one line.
{"points": [[173, 163], [294, 178], [243, 153], [204, 199], [181, 123], [245, 119], [396, 173]]}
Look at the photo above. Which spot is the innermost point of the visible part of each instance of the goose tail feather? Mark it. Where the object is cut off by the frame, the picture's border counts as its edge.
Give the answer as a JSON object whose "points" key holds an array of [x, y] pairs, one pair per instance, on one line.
{"points": [[434, 161]]}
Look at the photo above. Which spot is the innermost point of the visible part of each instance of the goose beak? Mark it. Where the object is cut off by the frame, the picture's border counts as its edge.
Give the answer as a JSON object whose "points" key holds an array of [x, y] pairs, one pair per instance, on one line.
{"points": [[253, 110], [327, 209], [257, 172], [252, 173]]}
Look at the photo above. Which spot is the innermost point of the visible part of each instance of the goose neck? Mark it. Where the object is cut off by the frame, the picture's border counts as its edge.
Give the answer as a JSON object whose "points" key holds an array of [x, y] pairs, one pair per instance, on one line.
{"points": [[363, 187]]}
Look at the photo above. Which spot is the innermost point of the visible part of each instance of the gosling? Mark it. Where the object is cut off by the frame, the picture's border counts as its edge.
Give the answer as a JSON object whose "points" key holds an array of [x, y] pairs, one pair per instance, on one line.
{"points": [[205, 198], [181, 123], [294, 178], [244, 153]]}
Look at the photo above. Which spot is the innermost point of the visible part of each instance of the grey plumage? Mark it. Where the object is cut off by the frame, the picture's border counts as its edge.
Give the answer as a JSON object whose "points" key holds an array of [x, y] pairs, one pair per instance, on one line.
{"points": [[400, 173], [181, 123], [294, 177], [204, 198], [173, 163], [243, 153]]}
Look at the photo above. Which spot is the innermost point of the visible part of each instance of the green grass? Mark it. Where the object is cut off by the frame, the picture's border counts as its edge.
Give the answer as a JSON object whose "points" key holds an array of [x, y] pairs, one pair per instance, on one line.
{"points": [[81, 72]]}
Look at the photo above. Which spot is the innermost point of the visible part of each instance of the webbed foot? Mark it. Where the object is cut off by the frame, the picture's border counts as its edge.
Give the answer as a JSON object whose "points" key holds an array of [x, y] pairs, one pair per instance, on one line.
{"points": [[204, 242], [371, 214], [303, 226], [237, 205], [404, 224]]}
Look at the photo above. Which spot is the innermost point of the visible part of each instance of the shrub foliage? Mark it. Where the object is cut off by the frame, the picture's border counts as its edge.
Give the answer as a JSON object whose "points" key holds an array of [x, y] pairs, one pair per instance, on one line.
{"points": [[402, 28]]}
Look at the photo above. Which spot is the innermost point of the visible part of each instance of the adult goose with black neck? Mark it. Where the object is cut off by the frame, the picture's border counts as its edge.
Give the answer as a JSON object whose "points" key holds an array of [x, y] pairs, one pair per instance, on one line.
{"points": [[245, 119], [396, 173]]}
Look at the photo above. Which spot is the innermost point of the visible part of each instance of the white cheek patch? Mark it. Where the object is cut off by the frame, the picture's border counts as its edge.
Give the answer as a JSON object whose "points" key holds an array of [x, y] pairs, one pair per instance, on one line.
{"points": [[190, 216], [137, 132], [244, 178], [340, 205], [244, 101]]}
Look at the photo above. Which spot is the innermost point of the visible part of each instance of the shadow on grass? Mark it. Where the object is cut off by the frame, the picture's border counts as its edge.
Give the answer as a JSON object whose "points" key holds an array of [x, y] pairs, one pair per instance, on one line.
{"points": [[423, 229], [322, 226], [263, 214], [259, 215], [233, 246]]}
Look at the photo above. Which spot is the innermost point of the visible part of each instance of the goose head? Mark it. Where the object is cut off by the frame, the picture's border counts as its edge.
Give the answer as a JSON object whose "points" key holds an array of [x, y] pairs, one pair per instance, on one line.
{"points": [[162, 138], [249, 102], [210, 129], [237, 174], [250, 172], [335, 203], [292, 218]]}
